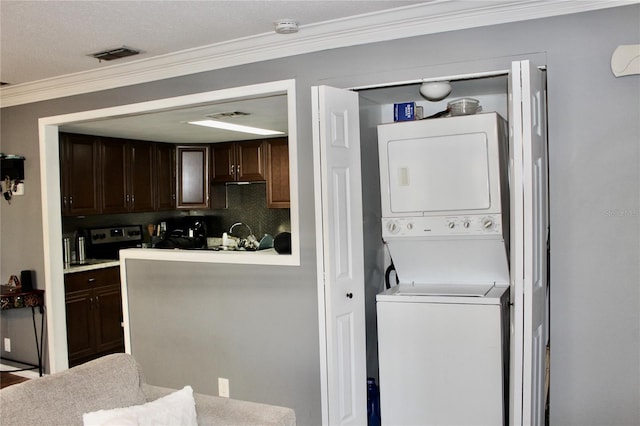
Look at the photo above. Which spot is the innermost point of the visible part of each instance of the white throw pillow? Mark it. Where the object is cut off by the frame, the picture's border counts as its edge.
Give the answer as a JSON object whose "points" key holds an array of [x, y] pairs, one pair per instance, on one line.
{"points": [[178, 408]]}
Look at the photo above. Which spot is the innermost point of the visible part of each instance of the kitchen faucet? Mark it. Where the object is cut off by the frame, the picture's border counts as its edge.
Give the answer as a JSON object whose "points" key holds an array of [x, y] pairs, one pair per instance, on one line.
{"points": [[238, 224], [250, 241]]}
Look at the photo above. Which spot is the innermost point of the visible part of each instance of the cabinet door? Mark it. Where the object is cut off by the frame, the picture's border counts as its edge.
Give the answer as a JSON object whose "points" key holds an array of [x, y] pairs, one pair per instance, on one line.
{"points": [[165, 177], [108, 328], [141, 179], [79, 174], [223, 162], [80, 325], [193, 177], [114, 176], [278, 193], [249, 161]]}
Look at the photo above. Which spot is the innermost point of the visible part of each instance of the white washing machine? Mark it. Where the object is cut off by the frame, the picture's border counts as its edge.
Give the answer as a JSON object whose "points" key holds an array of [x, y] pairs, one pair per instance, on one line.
{"points": [[443, 354], [443, 331]]}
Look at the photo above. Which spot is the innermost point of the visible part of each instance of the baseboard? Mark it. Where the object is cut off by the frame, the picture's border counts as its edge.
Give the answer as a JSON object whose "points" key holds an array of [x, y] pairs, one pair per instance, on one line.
{"points": [[29, 374]]}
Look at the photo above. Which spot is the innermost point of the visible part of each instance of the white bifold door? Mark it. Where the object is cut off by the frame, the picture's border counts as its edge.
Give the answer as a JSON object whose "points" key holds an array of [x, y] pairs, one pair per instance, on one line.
{"points": [[529, 236], [338, 191]]}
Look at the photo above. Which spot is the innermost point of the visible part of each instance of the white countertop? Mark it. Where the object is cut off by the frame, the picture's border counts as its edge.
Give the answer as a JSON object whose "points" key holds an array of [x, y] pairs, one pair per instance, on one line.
{"points": [[91, 265], [260, 257]]}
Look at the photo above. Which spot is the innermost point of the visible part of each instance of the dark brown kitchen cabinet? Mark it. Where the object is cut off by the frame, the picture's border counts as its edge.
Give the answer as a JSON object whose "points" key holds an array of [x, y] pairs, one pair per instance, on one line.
{"points": [[193, 176], [79, 174], [127, 176], [238, 161], [278, 192], [93, 302], [165, 183]]}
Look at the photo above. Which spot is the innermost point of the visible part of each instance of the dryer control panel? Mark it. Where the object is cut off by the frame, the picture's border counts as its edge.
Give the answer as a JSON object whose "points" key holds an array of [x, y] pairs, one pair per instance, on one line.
{"points": [[442, 226]]}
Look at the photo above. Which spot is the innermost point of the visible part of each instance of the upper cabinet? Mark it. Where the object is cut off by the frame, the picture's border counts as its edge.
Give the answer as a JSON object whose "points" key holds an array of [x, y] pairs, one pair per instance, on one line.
{"points": [[165, 183], [127, 176], [238, 162], [278, 190], [101, 175], [79, 173], [193, 176]]}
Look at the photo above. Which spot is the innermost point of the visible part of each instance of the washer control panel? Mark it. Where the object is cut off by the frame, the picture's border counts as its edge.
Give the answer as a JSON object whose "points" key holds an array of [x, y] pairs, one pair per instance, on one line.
{"points": [[440, 226]]}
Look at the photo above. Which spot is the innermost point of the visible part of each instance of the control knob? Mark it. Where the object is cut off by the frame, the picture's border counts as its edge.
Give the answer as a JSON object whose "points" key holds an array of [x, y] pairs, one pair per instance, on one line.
{"points": [[487, 223], [393, 227]]}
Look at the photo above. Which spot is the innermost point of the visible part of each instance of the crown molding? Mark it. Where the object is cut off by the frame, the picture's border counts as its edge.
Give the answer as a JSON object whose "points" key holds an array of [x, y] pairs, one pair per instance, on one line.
{"points": [[425, 18]]}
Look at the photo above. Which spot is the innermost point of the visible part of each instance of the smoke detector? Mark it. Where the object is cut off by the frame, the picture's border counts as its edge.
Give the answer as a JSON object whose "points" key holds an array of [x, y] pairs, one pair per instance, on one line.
{"points": [[286, 26]]}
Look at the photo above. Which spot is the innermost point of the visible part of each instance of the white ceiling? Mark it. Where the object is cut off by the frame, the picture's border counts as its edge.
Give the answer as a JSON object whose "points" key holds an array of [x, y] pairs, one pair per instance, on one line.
{"points": [[269, 112], [45, 47], [44, 39]]}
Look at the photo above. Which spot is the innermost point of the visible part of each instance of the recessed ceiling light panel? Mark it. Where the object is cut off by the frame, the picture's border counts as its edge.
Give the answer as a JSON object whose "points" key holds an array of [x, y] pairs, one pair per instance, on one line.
{"points": [[236, 127]]}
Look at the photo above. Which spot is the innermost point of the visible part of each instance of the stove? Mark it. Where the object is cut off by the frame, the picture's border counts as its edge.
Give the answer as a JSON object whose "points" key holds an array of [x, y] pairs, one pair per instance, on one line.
{"points": [[105, 243]]}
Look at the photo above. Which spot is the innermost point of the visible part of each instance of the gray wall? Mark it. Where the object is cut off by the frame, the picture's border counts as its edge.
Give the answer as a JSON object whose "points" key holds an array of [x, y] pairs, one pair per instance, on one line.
{"points": [[193, 323]]}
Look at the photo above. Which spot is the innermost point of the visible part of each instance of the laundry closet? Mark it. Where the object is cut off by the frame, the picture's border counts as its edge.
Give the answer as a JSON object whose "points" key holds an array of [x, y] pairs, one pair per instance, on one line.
{"points": [[455, 228]]}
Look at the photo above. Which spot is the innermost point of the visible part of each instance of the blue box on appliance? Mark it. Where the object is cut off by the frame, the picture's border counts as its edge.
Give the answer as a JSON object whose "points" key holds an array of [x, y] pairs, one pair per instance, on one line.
{"points": [[405, 111]]}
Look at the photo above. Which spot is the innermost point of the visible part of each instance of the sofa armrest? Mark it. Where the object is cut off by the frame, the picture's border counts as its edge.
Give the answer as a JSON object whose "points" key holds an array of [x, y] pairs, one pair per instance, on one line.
{"points": [[213, 410]]}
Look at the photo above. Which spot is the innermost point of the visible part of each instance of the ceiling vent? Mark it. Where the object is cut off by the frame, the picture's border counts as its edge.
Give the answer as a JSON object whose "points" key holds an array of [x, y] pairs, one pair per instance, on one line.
{"points": [[230, 114], [111, 54]]}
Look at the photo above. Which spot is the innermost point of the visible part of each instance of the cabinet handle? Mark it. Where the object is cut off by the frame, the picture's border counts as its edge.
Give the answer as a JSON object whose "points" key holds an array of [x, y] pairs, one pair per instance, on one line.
{"points": [[91, 280], [133, 198], [233, 169], [350, 295], [91, 303], [70, 201], [64, 201], [98, 302], [238, 169]]}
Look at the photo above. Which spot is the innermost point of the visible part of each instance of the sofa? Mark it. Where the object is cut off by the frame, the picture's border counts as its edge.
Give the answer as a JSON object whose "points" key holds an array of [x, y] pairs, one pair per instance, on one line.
{"points": [[108, 384]]}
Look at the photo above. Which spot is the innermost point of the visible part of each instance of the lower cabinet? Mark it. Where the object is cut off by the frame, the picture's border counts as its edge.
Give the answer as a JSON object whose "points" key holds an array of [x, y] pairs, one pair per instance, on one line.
{"points": [[94, 314]]}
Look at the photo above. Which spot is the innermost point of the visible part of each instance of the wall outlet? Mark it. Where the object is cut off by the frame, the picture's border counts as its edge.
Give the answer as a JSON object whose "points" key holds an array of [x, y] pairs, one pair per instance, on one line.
{"points": [[223, 387], [7, 344], [19, 189]]}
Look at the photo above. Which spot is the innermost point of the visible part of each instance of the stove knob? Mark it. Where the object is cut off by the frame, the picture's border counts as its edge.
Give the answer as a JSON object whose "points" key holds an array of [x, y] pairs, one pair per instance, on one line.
{"points": [[451, 225], [466, 224], [487, 223], [409, 226]]}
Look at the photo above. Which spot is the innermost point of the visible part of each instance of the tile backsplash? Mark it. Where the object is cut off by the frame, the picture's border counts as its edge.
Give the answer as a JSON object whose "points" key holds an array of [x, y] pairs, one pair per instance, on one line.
{"points": [[245, 203], [248, 204]]}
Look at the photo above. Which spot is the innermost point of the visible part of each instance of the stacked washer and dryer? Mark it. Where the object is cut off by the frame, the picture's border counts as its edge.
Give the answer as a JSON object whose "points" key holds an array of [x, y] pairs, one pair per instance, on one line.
{"points": [[443, 330]]}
